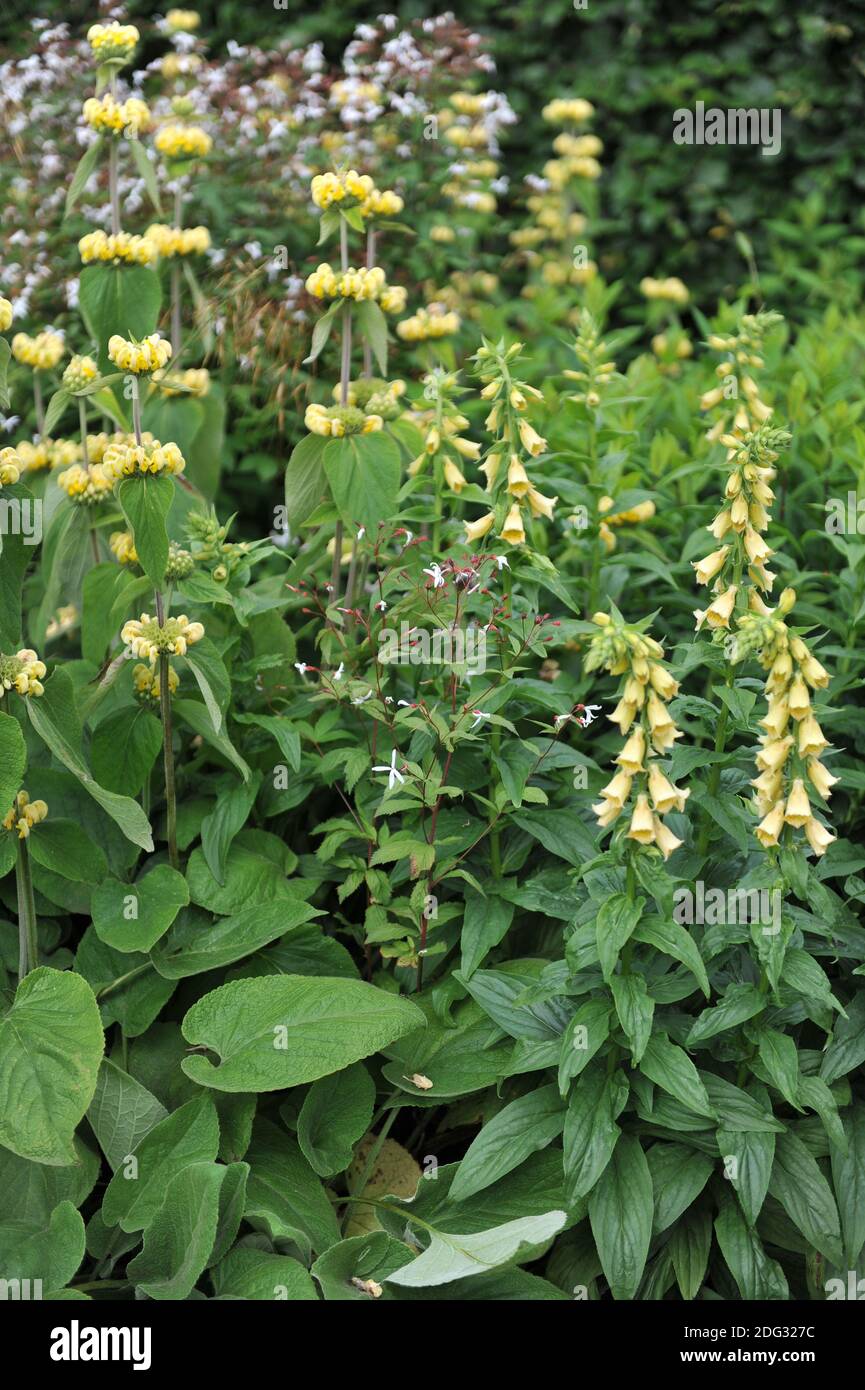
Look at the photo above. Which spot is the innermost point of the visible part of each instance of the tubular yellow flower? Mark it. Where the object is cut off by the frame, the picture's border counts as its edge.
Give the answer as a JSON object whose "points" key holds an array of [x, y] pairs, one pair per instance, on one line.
{"points": [[518, 478], [642, 827], [665, 840], [707, 568], [79, 373], [821, 778], [476, 530], [720, 609], [6, 314], [541, 505], [818, 837], [770, 827], [513, 530], [453, 477], [798, 808], [532, 442]]}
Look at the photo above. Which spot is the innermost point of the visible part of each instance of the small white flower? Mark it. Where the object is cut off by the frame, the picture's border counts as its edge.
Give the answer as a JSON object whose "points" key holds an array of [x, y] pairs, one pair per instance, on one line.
{"points": [[393, 774], [480, 715], [338, 673], [406, 704], [362, 699], [409, 536], [435, 575], [561, 719], [301, 667], [501, 562], [589, 715], [381, 606], [361, 532]]}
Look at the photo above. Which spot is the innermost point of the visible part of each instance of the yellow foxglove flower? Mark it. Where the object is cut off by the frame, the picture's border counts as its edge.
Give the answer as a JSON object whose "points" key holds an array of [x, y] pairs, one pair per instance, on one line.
{"points": [[770, 827], [811, 738], [513, 530], [631, 757], [666, 841], [720, 609], [476, 530], [453, 477], [642, 827], [819, 838], [821, 778], [707, 568], [518, 478], [798, 808]]}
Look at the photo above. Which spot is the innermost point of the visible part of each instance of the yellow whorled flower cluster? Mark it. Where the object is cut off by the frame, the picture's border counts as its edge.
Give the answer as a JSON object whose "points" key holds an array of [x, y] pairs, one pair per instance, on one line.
{"points": [[340, 420], [672, 289], [79, 373], [22, 672], [177, 140], [112, 43], [182, 21], [505, 471], [146, 682], [442, 425], [6, 314], [435, 321], [568, 111], [195, 380], [148, 639], [553, 245], [122, 546], [147, 356], [595, 371], [470, 186], [64, 620], [24, 815], [108, 116], [739, 395], [740, 524], [358, 284], [792, 741], [354, 190], [375, 395], [178, 241], [11, 466], [41, 353], [48, 453], [641, 785], [86, 485], [126, 460], [121, 249], [631, 516]]}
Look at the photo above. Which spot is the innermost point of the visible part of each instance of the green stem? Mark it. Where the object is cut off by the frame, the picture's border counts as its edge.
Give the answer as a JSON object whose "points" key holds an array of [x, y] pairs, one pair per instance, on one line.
{"points": [[37, 402], [28, 945], [123, 980], [170, 789]]}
